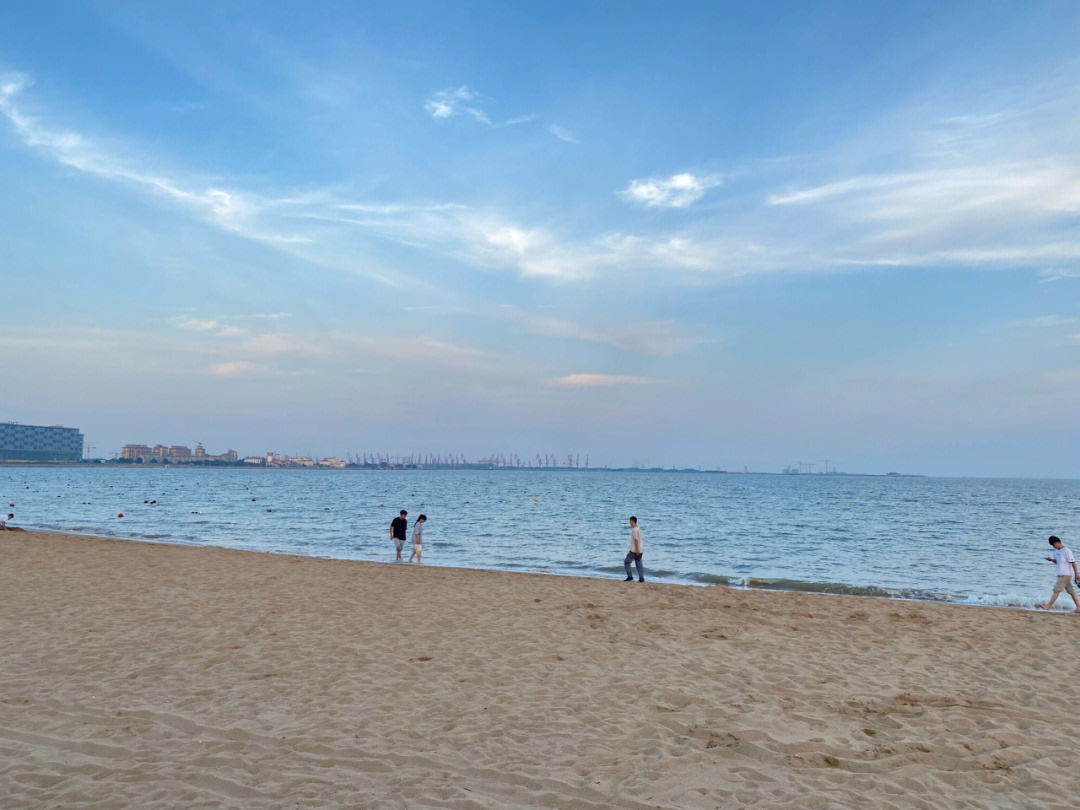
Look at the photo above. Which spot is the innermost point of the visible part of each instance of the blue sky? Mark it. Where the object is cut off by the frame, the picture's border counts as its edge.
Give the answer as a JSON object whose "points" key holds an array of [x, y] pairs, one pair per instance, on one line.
{"points": [[692, 234]]}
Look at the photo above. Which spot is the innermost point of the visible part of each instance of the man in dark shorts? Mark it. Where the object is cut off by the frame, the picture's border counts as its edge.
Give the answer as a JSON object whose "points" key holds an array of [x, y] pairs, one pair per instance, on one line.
{"points": [[397, 533]]}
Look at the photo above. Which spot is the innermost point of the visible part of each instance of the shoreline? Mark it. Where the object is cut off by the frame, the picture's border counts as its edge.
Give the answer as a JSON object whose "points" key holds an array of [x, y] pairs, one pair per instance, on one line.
{"points": [[760, 585], [158, 675]]}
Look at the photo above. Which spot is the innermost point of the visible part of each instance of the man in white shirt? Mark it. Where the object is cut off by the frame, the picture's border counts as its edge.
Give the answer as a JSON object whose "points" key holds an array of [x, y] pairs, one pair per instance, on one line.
{"points": [[635, 552], [1066, 572]]}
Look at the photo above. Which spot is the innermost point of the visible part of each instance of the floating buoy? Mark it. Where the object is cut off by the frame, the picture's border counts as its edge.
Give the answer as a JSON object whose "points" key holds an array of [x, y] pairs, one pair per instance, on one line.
{"points": [[119, 514]]}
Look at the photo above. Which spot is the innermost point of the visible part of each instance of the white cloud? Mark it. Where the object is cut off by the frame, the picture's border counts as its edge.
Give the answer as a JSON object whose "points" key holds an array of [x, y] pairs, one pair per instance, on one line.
{"points": [[562, 133], [676, 191], [195, 324], [446, 103], [463, 101], [233, 368], [603, 380]]}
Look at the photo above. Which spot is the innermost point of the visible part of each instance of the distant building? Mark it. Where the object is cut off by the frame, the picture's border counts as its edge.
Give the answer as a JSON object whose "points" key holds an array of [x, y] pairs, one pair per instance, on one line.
{"points": [[39, 443], [177, 454], [330, 461], [254, 460]]}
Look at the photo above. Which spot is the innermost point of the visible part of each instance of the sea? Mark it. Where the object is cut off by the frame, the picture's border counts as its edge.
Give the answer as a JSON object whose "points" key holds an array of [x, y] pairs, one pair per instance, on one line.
{"points": [[968, 540]]}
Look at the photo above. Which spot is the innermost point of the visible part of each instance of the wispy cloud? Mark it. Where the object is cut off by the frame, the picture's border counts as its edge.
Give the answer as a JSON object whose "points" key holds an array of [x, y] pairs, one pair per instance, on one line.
{"points": [[228, 209], [1059, 273], [233, 368], [603, 380], [196, 324], [463, 101], [654, 338], [676, 191], [1045, 321], [562, 133]]}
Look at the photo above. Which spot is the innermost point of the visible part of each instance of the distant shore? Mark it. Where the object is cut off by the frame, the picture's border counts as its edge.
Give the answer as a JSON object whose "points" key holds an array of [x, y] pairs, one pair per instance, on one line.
{"points": [[160, 676], [238, 465]]}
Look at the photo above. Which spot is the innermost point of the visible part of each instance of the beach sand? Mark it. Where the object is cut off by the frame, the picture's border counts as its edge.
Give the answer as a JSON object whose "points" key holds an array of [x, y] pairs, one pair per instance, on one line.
{"points": [[155, 676]]}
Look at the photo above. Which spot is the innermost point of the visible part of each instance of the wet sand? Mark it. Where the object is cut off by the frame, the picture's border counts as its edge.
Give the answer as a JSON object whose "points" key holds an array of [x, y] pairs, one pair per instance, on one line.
{"points": [[155, 676]]}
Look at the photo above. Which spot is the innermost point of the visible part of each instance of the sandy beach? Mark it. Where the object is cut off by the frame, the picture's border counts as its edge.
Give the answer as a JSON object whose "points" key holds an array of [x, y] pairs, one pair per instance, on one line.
{"points": [[155, 676]]}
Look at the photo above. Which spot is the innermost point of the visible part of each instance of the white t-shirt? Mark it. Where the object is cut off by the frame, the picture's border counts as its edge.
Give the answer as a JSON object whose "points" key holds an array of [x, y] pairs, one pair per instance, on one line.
{"points": [[1065, 560], [635, 538]]}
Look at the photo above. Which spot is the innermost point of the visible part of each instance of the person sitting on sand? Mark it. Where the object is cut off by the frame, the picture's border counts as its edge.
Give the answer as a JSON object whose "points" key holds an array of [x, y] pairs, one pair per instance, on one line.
{"points": [[5, 519], [1066, 572], [417, 538], [635, 552], [397, 533]]}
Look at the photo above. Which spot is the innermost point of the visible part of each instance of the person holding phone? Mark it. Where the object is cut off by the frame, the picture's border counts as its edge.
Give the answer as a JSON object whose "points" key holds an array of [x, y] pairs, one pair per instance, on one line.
{"points": [[1066, 573], [635, 552]]}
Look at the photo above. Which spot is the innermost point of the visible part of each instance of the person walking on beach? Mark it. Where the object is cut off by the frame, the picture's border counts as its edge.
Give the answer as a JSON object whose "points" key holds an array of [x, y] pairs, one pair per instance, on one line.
{"points": [[1066, 572], [398, 526], [417, 538], [635, 552]]}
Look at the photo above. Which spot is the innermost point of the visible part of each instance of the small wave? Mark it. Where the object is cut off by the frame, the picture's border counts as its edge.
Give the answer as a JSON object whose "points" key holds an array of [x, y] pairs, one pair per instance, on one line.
{"points": [[1012, 600], [843, 589]]}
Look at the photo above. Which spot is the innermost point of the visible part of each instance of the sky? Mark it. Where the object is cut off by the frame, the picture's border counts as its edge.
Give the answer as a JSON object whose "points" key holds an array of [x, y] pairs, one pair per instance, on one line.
{"points": [[722, 235]]}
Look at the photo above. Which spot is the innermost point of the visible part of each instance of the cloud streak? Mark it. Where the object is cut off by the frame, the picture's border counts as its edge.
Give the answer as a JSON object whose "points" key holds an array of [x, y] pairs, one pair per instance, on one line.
{"points": [[227, 209], [463, 101], [603, 380], [562, 133]]}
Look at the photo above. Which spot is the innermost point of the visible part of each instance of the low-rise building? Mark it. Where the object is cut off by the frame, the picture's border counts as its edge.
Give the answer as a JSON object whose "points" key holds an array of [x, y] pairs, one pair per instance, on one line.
{"points": [[134, 452], [176, 454]]}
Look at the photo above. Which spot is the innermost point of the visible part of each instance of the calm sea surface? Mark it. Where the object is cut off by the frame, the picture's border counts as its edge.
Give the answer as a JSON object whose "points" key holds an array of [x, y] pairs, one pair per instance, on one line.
{"points": [[966, 540]]}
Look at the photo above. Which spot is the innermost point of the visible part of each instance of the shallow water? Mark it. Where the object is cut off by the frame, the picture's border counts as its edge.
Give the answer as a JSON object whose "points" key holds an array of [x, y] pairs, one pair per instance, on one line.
{"points": [[965, 540]]}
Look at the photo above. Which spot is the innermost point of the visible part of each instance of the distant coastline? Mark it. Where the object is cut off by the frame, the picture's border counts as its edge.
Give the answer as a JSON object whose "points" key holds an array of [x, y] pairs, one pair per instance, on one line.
{"points": [[91, 463]]}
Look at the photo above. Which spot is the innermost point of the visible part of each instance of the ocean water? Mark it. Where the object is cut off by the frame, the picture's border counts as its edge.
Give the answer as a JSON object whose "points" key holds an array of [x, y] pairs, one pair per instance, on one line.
{"points": [[964, 540]]}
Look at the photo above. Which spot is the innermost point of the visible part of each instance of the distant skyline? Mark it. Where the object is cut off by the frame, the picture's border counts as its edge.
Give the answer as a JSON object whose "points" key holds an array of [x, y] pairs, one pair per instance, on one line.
{"points": [[693, 234]]}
